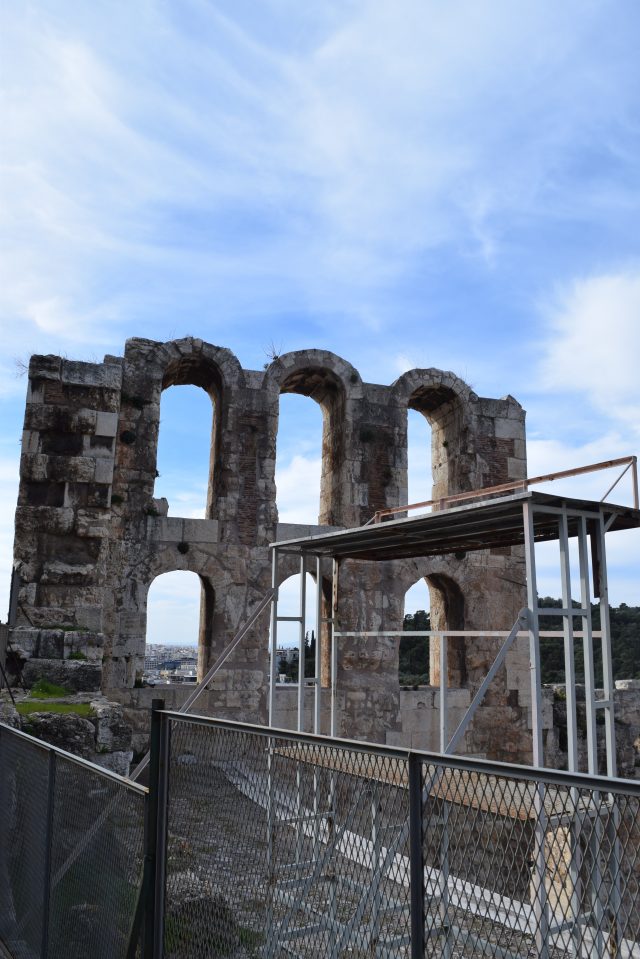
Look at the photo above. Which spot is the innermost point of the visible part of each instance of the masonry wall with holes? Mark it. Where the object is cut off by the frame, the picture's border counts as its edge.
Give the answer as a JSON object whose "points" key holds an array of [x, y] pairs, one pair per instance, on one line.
{"points": [[91, 538]]}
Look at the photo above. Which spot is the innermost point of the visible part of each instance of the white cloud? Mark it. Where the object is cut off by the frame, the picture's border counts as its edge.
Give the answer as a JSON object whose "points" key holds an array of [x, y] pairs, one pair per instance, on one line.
{"points": [[158, 154], [549, 456], [8, 500], [593, 345], [173, 610], [186, 499], [298, 490], [623, 548]]}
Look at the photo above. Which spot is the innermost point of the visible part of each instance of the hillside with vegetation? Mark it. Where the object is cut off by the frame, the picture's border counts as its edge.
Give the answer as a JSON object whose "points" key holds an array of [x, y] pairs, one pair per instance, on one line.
{"points": [[625, 645]]}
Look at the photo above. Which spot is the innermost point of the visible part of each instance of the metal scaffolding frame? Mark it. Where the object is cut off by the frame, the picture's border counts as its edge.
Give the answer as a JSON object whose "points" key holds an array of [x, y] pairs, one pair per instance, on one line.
{"points": [[522, 518]]}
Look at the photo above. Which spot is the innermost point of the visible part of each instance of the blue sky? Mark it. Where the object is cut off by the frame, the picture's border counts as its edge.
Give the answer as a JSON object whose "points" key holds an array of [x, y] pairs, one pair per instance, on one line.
{"points": [[406, 183]]}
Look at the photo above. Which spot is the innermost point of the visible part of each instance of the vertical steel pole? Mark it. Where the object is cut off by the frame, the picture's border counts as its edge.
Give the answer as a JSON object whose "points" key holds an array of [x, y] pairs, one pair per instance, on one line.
{"points": [[317, 713], [569, 658], [332, 798], [587, 647], [150, 832], [572, 727], [416, 857], [534, 634], [317, 705], [540, 903], [301, 646], [610, 803], [48, 849], [156, 833], [607, 665], [334, 647], [594, 877], [444, 682], [273, 664]]}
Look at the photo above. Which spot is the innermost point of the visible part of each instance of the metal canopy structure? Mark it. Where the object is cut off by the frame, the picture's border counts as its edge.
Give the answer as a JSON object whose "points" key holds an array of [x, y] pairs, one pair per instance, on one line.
{"points": [[522, 517], [519, 518], [481, 525]]}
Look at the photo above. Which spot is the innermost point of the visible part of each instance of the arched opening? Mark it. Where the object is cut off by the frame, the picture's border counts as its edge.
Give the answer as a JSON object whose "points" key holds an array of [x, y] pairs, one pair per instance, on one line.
{"points": [[413, 666], [447, 613], [449, 460], [179, 623], [419, 475], [193, 425], [185, 462], [298, 460], [323, 386]]}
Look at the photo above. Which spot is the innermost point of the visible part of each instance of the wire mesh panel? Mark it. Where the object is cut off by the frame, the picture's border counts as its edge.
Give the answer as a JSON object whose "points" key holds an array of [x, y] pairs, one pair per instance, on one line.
{"points": [[282, 844], [517, 867], [24, 777], [71, 854], [96, 864], [280, 847]]}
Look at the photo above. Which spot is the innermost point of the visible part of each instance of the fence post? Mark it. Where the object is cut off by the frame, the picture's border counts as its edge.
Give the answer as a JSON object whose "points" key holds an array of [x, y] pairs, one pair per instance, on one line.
{"points": [[48, 844], [416, 858], [155, 835]]}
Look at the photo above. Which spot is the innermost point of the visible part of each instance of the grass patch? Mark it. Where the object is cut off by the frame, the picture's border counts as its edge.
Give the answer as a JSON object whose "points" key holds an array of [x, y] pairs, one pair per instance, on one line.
{"points": [[43, 689], [77, 655], [80, 709]]}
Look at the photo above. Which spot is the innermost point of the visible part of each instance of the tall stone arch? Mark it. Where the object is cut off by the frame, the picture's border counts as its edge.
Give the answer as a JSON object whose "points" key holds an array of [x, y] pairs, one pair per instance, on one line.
{"points": [[337, 388], [149, 368], [447, 402]]}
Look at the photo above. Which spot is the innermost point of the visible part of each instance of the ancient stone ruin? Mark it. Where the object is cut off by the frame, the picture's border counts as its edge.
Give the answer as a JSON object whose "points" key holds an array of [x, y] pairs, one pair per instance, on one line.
{"points": [[91, 538]]}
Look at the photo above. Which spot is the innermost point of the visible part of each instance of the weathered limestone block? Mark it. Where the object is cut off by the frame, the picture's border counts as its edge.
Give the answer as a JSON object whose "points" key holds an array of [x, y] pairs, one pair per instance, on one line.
{"points": [[75, 675], [8, 714], [91, 374], [45, 367], [68, 731], [118, 762], [113, 734]]}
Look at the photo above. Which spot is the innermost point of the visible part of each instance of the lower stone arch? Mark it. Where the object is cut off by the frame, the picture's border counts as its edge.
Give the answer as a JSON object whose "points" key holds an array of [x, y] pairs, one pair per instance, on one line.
{"points": [[447, 612], [204, 635]]}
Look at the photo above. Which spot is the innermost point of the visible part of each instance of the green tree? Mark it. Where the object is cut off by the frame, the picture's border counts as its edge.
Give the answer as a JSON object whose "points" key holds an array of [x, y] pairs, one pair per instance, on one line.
{"points": [[413, 666], [625, 643]]}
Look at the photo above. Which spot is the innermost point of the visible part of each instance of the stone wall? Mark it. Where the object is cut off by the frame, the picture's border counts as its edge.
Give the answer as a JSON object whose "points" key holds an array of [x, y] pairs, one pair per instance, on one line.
{"points": [[91, 538]]}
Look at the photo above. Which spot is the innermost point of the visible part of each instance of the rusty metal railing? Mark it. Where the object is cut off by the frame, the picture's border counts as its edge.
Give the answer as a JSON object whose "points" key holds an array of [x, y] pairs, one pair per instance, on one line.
{"points": [[629, 463]]}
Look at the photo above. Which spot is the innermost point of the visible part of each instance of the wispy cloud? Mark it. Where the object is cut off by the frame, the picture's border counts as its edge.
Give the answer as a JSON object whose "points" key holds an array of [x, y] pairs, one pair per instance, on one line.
{"points": [[593, 345], [163, 154], [400, 182], [8, 499], [298, 488]]}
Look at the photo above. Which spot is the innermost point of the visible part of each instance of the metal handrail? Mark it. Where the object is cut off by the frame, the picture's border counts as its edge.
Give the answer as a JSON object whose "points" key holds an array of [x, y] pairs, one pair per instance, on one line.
{"points": [[629, 462], [490, 767], [78, 760]]}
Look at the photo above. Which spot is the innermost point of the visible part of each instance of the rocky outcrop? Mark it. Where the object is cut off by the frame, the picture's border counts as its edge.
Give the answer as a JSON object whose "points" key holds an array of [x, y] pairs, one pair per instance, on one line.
{"points": [[100, 734]]}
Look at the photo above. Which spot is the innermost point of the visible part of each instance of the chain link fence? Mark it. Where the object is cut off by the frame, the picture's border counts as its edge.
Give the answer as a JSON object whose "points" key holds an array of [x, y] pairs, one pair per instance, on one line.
{"points": [[71, 853], [270, 844], [281, 844]]}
